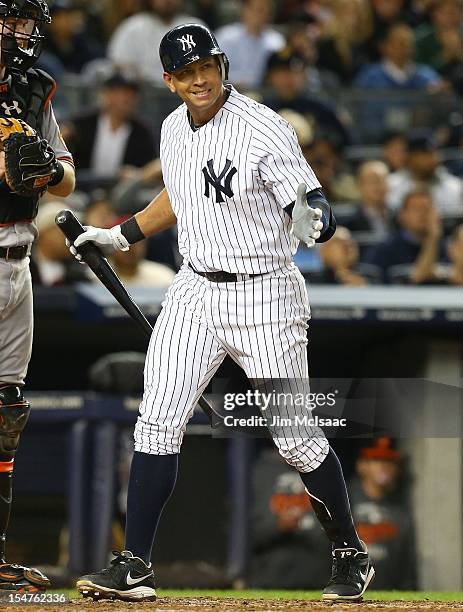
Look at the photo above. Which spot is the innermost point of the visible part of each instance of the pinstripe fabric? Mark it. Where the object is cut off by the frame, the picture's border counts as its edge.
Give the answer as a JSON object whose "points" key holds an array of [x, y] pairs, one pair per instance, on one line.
{"points": [[261, 323], [247, 232]]}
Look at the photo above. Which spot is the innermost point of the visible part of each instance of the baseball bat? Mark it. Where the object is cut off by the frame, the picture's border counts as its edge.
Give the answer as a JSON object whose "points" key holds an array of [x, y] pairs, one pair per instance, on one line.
{"points": [[97, 262]]}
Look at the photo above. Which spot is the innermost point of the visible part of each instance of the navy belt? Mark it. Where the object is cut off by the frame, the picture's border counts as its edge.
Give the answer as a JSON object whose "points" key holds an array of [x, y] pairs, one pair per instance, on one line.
{"points": [[16, 252], [223, 277]]}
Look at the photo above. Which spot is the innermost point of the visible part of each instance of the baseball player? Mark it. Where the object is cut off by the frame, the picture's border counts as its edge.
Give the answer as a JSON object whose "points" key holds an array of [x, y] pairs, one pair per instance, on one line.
{"points": [[33, 159], [242, 196]]}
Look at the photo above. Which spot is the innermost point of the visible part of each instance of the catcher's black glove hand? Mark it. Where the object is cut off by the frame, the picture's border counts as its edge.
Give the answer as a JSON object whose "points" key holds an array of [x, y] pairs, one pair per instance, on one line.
{"points": [[30, 162]]}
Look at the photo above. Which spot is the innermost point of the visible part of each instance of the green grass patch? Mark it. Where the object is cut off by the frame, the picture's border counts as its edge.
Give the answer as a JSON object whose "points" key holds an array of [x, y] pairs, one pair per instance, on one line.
{"points": [[308, 595]]}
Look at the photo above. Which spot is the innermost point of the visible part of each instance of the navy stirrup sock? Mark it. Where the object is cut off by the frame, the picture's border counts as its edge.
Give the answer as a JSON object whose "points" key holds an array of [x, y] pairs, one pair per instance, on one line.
{"points": [[152, 480], [328, 495]]}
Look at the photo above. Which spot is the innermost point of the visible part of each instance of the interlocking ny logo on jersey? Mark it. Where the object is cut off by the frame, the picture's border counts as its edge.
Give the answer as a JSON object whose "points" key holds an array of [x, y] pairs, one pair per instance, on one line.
{"points": [[211, 179], [187, 42]]}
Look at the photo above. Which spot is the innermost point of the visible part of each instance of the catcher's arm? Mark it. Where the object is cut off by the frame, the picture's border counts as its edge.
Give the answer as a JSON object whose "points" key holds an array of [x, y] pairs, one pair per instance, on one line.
{"points": [[67, 184], [29, 164]]}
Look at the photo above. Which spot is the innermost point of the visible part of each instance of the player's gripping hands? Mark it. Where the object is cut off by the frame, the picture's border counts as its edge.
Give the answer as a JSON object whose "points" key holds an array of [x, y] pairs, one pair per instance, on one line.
{"points": [[307, 224], [108, 240]]}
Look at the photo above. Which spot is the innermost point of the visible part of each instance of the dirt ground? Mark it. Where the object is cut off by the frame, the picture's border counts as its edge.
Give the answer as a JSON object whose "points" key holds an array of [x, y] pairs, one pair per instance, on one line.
{"points": [[203, 604]]}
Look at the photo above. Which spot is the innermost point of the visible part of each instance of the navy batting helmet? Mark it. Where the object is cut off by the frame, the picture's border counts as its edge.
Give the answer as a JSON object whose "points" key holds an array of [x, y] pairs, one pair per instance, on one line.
{"points": [[187, 43]]}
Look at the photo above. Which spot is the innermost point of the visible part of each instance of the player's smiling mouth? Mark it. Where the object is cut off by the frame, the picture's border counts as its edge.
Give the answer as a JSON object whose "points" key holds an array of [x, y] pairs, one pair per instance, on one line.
{"points": [[202, 94]]}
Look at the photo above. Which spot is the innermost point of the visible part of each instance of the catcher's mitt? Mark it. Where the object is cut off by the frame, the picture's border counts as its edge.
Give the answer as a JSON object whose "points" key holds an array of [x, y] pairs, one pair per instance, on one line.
{"points": [[30, 162]]}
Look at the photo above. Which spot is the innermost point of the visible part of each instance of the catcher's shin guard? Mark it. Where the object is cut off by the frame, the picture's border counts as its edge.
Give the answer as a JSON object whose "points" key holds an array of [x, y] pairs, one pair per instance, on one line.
{"points": [[14, 412]]}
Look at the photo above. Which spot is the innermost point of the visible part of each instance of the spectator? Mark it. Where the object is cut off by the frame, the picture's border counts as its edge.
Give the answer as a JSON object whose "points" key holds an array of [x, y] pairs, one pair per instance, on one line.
{"points": [[301, 39], [133, 269], [372, 213], [382, 516], [340, 258], [424, 171], [341, 49], [440, 43], [411, 254], [286, 76], [397, 69], [51, 262], [286, 540], [99, 211], [116, 11], [325, 156], [454, 273], [135, 42], [248, 43], [385, 14], [394, 147], [67, 42], [106, 139]]}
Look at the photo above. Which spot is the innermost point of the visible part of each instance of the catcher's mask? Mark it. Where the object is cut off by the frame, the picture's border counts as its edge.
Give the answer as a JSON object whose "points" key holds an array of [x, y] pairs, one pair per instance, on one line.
{"points": [[21, 25]]}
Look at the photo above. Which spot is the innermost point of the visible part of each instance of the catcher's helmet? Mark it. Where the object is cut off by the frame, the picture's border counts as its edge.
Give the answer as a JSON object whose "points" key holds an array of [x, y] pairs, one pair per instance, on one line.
{"points": [[187, 43], [21, 43]]}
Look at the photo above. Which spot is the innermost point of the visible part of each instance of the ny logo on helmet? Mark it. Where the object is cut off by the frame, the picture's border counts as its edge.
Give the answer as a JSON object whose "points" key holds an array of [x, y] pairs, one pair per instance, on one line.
{"points": [[187, 42]]}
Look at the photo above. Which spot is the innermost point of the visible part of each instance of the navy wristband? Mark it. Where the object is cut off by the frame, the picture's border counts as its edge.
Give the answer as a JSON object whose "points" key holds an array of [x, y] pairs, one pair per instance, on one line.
{"points": [[131, 231]]}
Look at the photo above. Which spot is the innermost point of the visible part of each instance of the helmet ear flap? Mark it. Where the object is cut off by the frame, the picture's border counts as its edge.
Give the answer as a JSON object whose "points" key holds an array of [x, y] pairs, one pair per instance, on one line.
{"points": [[224, 66]]}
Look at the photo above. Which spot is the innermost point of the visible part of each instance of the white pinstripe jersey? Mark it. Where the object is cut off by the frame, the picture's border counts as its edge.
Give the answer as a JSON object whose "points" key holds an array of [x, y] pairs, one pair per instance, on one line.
{"points": [[228, 184]]}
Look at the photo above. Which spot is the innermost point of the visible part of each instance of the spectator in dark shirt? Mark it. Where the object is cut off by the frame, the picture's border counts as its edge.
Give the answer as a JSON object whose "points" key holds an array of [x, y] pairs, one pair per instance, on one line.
{"points": [[286, 76], [51, 264], [371, 214], [67, 41], [412, 253], [440, 43], [385, 14], [108, 138], [341, 48], [382, 517], [286, 539], [325, 155], [340, 257]]}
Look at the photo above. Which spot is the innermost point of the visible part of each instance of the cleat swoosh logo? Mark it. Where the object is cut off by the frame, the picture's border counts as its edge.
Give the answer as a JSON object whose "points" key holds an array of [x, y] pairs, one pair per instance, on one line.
{"points": [[131, 581], [363, 576]]}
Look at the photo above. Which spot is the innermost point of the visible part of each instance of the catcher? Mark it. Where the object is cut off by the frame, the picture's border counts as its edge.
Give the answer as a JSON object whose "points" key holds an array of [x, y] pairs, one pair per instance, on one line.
{"points": [[33, 159]]}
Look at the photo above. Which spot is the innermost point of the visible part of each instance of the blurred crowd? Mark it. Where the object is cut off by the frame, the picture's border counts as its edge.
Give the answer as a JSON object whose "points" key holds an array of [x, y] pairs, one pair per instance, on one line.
{"points": [[372, 88]]}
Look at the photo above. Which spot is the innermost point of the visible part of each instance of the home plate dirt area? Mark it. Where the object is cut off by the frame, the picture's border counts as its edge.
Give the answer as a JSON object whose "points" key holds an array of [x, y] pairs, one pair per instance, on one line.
{"points": [[201, 604]]}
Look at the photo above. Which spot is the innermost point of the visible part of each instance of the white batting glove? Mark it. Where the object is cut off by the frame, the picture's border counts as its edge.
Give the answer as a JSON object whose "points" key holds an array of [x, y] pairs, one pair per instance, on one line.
{"points": [[306, 220], [108, 240]]}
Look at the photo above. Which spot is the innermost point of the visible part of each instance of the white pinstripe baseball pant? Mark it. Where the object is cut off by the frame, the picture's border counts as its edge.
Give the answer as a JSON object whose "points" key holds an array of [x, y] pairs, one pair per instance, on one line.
{"points": [[261, 323]]}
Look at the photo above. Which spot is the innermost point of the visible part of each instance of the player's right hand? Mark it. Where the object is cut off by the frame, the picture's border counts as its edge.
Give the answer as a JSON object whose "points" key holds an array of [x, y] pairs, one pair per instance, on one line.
{"points": [[108, 240]]}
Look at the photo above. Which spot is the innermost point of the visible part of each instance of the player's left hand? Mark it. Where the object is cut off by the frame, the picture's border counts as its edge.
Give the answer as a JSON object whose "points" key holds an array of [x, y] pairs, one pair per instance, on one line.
{"points": [[30, 162], [306, 220]]}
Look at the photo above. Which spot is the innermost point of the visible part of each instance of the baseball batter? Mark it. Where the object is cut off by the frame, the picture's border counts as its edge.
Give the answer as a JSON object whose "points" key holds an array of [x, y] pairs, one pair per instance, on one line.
{"points": [[34, 159], [242, 195]]}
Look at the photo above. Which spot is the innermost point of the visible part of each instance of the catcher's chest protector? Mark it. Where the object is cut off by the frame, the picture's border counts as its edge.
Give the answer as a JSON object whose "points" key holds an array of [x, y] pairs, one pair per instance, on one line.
{"points": [[23, 97]]}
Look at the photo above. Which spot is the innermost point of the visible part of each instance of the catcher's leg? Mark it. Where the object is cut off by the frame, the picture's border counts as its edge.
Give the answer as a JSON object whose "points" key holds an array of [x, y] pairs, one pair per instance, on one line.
{"points": [[14, 412], [15, 350]]}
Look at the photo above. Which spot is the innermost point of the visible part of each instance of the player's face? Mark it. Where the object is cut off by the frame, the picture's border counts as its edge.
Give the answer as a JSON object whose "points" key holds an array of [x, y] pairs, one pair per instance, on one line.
{"points": [[199, 85], [20, 28]]}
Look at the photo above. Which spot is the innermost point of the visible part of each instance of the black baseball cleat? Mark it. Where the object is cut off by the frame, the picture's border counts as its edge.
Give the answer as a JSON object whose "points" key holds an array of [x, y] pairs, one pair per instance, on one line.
{"points": [[127, 578], [351, 574], [14, 577]]}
